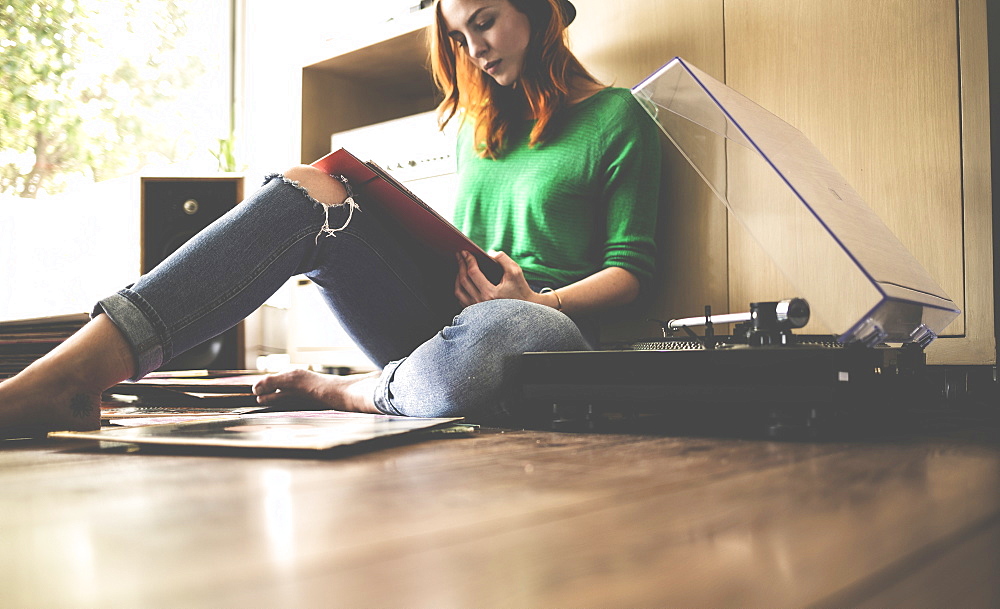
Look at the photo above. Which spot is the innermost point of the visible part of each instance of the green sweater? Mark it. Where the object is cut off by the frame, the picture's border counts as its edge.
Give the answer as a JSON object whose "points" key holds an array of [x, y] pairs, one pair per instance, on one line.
{"points": [[567, 208]]}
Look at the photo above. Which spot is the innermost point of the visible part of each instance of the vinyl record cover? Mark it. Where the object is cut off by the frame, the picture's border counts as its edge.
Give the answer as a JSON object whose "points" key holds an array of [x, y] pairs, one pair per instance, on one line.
{"points": [[117, 413], [300, 431], [207, 391], [428, 227]]}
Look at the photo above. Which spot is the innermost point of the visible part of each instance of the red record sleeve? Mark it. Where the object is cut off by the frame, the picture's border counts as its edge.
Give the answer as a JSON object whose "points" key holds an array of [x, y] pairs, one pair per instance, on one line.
{"points": [[374, 186]]}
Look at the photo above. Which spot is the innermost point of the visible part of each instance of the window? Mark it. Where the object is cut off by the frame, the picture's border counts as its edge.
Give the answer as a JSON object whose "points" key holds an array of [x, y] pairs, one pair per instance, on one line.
{"points": [[92, 93]]}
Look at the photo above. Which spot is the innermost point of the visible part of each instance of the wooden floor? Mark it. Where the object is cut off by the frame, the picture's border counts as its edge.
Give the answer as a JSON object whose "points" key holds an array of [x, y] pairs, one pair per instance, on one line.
{"points": [[509, 519]]}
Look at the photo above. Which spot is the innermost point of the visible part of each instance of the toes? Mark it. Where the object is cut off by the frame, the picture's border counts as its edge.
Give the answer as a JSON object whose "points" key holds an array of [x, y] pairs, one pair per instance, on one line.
{"points": [[263, 386], [280, 380], [271, 398], [293, 386]]}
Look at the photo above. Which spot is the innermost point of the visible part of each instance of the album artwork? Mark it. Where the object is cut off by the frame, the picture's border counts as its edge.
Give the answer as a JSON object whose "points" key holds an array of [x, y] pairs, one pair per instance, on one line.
{"points": [[301, 431], [118, 413], [402, 207]]}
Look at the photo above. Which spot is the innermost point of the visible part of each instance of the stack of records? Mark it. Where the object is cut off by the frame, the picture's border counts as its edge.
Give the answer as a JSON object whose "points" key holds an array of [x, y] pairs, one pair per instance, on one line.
{"points": [[25, 340]]}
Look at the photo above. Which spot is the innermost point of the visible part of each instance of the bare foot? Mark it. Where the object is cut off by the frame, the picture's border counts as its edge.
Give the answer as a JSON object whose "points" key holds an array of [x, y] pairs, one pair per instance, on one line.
{"points": [[306, 389], [62, 390], [34, 402]]}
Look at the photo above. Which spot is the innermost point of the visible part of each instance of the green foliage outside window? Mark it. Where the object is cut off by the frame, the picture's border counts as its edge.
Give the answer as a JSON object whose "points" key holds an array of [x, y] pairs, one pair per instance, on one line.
{"points": [[88, 90]]}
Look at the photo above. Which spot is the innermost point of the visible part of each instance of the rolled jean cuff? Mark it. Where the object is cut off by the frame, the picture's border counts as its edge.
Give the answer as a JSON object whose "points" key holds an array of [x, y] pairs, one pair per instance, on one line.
{"points": [[383, 397], [126, 310]]}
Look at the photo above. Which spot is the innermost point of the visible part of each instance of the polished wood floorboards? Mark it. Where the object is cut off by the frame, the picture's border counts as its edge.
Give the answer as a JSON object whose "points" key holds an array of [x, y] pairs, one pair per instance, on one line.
{"points": [[509, 519]]}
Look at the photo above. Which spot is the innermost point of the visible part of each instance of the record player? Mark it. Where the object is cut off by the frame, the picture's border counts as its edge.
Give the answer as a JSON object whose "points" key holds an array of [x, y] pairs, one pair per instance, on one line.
{"points": [[822, 236]]}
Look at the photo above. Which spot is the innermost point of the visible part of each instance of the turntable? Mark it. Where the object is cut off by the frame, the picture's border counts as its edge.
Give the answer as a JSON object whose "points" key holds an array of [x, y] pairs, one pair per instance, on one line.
{"points": [[822, 236]]}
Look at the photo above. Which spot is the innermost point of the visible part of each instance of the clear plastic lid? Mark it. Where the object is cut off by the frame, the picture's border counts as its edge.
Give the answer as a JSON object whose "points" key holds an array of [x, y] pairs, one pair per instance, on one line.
{"points": [[824, 238]]}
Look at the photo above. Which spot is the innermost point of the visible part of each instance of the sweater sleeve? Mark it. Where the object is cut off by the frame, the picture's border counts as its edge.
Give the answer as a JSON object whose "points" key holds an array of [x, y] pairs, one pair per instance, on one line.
{"points": [[632, 186]]}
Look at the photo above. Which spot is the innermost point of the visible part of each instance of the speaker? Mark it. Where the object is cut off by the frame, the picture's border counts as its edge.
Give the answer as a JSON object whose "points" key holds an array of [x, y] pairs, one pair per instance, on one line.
{"points": [[172, 211]]}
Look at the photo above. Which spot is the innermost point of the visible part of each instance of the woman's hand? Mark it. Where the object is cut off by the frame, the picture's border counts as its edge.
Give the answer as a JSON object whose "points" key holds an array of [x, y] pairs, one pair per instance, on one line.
{"points": [[471, 286], [610, 287]]}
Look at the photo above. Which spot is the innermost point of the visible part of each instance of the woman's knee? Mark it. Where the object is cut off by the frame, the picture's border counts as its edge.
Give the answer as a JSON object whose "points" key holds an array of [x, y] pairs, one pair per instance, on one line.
{"points": [[520, 326], [323, 187], [470, 368]]}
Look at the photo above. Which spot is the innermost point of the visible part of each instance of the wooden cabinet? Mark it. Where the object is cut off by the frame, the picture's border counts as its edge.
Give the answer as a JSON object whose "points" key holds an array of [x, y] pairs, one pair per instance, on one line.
{"points": [[894, 94], [388, 77], [886, 91]]}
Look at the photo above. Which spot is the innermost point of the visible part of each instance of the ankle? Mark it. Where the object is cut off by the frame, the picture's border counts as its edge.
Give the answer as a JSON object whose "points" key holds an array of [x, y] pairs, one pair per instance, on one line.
{"points": [[36, 401], [96, 357], [359, 395]]}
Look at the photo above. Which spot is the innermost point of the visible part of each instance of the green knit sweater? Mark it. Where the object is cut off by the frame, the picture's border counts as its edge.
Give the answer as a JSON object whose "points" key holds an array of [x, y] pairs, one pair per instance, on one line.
{"points": [[565, 209]]}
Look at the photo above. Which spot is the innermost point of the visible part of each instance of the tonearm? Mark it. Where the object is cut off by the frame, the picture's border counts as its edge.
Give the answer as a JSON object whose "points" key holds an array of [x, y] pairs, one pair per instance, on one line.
{"points": [[766, 323]]}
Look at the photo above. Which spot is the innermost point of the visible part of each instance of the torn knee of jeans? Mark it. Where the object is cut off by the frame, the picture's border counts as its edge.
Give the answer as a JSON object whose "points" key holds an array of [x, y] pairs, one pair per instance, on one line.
{"points": [[351, 206], [349, 201]]}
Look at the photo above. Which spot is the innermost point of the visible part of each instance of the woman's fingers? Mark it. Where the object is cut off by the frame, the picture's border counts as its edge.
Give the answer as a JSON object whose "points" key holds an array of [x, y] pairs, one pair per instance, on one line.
{"points": [[462, 288], [476, 277], [472, 286], [510, 268], [476, 283], [467, 288], [463, 297]]}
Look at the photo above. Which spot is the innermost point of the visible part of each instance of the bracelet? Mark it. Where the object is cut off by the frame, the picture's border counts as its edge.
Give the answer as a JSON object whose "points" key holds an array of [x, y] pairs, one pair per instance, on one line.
{"points": [[554, 293]]}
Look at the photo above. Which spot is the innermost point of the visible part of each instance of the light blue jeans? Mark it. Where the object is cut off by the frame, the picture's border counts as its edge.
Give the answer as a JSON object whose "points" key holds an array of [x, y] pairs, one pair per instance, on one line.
{"points": [[437, 359]]}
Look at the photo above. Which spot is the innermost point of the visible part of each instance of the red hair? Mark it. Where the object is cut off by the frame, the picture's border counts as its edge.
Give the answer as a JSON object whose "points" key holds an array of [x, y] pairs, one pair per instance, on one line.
{"points": [[541, 91]]}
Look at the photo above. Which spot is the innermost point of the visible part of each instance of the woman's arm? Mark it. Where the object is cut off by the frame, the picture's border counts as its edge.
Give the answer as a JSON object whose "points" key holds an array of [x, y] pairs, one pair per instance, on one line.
{"points": [[607, 288]]}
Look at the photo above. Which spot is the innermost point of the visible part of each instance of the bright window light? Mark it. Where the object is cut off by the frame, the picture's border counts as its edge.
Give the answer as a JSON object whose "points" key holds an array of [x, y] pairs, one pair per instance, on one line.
{"points": [[94, 93]]}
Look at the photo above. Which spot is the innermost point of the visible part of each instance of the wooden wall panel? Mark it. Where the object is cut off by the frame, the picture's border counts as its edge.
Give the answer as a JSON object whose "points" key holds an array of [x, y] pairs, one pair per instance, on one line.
{"points": [[622, 43], [368, 85], [874, 84], [979, 344]]}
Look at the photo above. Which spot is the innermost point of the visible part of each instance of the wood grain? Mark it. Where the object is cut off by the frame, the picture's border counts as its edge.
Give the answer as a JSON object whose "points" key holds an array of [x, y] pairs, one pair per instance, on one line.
{"points": [[979, 344], [875, 86], [502, 518]]}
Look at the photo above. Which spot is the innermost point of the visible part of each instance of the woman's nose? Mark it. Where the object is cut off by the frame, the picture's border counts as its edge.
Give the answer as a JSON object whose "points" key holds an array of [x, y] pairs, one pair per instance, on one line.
{"points": [[477, 48]]}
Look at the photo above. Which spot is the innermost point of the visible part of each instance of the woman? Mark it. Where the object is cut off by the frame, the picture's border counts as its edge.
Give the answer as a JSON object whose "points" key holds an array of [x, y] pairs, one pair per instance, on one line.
{"points": [[556, 170]]}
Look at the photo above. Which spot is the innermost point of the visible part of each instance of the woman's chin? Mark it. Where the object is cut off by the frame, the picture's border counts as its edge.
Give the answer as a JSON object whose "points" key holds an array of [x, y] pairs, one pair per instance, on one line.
{"points": [[504, 80]]}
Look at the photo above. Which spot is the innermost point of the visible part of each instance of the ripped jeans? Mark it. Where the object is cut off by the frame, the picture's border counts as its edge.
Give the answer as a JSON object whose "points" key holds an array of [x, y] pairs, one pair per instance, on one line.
{"points": [[436, 358]]}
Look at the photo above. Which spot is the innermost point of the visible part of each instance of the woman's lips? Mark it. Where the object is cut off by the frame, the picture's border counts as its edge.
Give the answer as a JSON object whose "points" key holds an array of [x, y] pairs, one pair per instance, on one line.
{"points": [[491, 66]]}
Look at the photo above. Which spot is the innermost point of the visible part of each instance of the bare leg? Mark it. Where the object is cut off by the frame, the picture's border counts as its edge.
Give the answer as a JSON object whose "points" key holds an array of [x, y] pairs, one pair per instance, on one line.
{"points": [[321, 187], [62, 390], [354, 393]]}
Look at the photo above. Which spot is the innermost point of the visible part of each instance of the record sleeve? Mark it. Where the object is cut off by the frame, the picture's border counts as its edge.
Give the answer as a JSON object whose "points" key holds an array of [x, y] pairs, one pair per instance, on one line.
{"points": [[225, 390], [115, 414], [296, 431], [374, 185]]}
